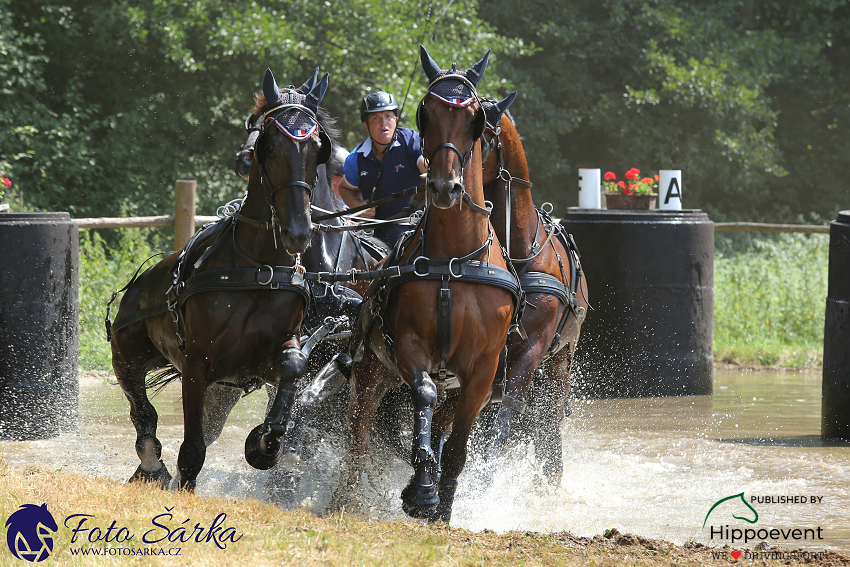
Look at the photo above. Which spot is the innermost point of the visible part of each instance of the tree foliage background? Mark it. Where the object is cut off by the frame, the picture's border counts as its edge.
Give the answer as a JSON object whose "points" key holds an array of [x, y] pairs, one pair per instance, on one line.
{"points": [[104, 103]]}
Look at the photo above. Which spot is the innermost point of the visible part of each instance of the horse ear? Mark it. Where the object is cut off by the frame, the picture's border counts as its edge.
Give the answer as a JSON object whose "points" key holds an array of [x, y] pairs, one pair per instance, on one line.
{"points": [[478, 69], [311, 82], [505, 103], [270, 90], [428, 65], [478, 123], [314, 97]]}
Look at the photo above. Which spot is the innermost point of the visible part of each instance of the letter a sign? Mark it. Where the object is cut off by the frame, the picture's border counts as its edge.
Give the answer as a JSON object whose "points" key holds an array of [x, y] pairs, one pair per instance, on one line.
{"points": [[670, 189]]}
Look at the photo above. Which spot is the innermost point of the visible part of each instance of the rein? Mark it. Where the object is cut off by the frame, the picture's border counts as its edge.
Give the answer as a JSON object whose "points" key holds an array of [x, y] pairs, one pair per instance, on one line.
{"points": [[506, 176], [369, 204]]}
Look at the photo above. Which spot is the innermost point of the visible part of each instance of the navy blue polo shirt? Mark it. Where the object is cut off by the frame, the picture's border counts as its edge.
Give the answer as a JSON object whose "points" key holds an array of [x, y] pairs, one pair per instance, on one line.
{"points": [[400, 170]]}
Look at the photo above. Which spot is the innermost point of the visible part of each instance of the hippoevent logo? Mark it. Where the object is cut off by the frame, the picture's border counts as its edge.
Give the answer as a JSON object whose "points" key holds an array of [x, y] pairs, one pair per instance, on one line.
{"points": [[31, 529], [739, 507], [29, 533]]}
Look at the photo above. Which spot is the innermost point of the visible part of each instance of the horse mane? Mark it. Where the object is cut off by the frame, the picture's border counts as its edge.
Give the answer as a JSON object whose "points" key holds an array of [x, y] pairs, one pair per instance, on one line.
{"points": [[326, 121]]}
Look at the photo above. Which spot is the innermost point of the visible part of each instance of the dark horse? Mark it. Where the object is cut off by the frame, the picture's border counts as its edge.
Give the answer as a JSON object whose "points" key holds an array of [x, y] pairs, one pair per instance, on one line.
{"points": [[547, 262], [442, 323], [235, 297]]}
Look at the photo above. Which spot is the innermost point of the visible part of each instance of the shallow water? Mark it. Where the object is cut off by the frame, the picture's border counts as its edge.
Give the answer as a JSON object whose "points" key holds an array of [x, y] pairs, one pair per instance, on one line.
{"points": [[653, 466]]}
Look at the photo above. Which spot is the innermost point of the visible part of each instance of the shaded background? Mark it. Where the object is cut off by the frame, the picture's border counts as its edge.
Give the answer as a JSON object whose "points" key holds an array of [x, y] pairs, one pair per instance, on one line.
{"points": [[104, 103]]}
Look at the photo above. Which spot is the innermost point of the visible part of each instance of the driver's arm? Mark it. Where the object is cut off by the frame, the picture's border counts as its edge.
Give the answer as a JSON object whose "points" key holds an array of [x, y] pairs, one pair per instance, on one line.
{"points": [[351, 196]]}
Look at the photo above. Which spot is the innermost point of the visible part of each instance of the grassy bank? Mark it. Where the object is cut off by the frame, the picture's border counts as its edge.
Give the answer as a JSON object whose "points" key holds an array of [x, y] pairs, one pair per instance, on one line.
{"points": [[769, 296], [254, 533], [769, 299], [103, 270]]}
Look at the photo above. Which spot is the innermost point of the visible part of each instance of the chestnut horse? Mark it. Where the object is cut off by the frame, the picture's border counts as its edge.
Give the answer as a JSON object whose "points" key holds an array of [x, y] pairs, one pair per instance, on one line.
{"points": [[443, 322], [547, 262], [236, 297]]}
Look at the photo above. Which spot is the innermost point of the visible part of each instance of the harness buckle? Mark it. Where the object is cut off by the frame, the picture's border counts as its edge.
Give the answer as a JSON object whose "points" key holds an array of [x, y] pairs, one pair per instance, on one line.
{"points": [[451, 273]]}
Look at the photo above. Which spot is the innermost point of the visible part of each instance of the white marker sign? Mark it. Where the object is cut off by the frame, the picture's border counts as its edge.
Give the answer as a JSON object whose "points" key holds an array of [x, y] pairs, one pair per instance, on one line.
{"points": [[670, 189], [589, 196]]}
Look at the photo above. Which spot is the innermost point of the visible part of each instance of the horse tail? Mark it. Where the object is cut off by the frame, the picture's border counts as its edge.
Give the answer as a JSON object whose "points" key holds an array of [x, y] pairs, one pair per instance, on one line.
{"points": [[162, 378]]}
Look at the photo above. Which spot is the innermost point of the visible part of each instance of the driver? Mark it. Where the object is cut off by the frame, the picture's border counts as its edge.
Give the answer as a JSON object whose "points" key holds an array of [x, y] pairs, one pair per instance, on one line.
{"points": [[389, 161]]}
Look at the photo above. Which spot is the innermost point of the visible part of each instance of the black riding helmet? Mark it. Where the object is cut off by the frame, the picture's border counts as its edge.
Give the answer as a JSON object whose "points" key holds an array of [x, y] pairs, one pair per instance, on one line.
{"points": [[377, 102]]}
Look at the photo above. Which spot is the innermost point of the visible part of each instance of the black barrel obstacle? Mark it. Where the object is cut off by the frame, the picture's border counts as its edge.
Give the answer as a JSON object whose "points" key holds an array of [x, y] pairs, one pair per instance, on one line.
{"points": [[651, 280], [835, 405], [38, 325]]}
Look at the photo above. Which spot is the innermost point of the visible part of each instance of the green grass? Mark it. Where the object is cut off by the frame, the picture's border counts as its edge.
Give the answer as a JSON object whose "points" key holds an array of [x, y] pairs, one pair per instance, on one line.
{"points": [[103, 270], [769, 299], [769, 295]]}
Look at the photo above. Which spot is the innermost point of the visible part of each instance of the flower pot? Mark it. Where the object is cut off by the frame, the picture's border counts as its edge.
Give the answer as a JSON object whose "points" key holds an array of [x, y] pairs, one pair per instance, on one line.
{"points": [[621, 201]]}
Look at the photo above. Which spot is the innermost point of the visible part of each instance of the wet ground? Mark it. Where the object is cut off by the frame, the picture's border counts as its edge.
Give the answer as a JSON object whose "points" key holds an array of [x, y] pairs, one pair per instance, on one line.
{"points": [[653, 466]]}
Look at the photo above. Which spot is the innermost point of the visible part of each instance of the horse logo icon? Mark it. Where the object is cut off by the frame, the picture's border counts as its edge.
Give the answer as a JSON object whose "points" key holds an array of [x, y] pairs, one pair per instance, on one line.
{"points": [[733, 497], [29, 533]]}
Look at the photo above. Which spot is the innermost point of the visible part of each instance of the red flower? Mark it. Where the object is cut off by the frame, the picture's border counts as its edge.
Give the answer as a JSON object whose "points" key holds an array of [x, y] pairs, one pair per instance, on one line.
{"points": [[626, 191], [633, 173], [610, 176], [621, 184], [646, 180], [656, 177], [5, 182]]}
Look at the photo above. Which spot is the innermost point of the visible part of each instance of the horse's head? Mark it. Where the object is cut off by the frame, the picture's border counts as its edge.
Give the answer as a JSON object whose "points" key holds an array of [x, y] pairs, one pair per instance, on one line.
{"points": [[493, 111], [291, 145], [450, 120]]}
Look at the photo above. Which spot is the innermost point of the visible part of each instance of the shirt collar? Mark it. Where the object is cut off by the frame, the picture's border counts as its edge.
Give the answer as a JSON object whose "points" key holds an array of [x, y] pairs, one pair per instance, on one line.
{"points": [[366, 147]]}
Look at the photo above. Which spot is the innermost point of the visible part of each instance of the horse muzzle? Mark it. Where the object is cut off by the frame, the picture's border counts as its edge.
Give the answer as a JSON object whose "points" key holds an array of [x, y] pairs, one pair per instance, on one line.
{"points": [[444, 192], [296, 239]]}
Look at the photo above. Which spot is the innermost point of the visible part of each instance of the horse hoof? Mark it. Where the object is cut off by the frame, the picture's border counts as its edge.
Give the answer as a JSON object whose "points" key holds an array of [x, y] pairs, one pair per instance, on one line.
{"points": [[254, 453], [443, 513], [161, 477], [419, 501]]}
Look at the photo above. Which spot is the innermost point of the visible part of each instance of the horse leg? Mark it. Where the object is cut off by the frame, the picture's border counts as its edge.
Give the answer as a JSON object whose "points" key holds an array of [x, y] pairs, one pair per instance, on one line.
{"points": [[369, 383], [521, 362], [549, 412], [328, 381], [419, 497], [441, 428], [132, 354], [193, 450], [284, 480], [218, 401], [263, 446], [470, 400]]}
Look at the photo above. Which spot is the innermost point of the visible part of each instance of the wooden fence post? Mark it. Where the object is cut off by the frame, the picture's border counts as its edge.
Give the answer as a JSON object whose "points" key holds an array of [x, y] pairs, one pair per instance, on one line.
{"points": [[184, 211]]}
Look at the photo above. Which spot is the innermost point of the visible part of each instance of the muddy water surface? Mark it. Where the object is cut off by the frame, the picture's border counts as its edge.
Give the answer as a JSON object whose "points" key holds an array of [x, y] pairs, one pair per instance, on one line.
{"points": [[653, 467]]}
